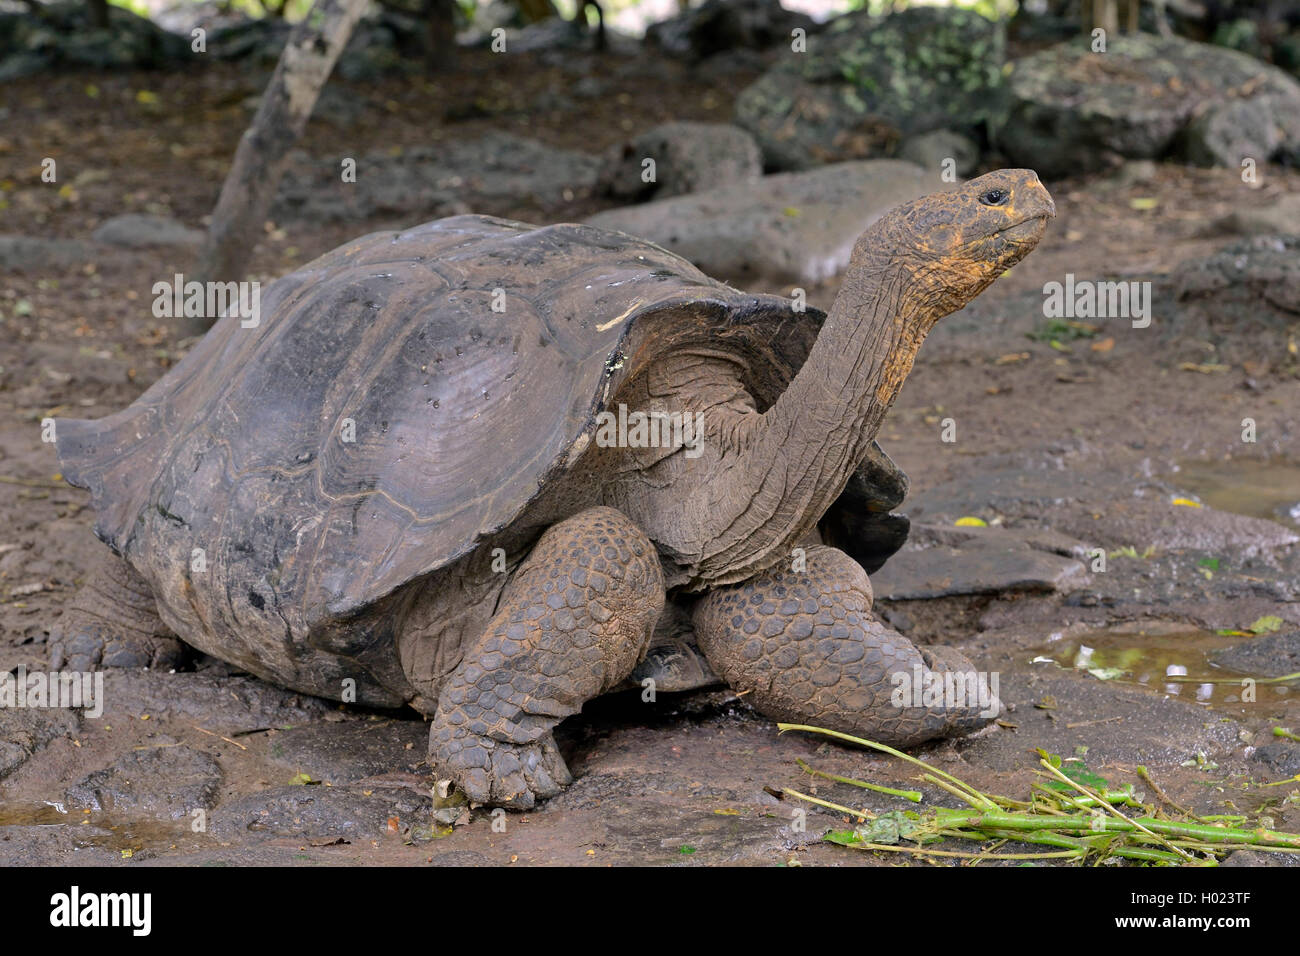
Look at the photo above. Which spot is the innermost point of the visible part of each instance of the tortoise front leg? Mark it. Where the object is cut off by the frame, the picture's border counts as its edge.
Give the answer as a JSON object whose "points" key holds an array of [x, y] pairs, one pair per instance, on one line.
{"points": [[806, 647], [572, 624]]}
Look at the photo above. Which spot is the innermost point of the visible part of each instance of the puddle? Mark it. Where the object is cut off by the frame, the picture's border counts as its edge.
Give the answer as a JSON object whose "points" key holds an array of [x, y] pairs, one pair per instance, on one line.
{"points": [[1260, 488], [1148, 659], [103, 830]]}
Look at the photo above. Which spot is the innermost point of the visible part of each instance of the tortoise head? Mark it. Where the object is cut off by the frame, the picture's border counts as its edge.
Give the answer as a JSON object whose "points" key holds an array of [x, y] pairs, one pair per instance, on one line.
{"points": [[953, 244]]}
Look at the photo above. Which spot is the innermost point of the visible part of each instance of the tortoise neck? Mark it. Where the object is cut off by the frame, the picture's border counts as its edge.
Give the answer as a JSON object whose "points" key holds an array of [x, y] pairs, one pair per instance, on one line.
{"points": [[855, 370], [812, 440]]}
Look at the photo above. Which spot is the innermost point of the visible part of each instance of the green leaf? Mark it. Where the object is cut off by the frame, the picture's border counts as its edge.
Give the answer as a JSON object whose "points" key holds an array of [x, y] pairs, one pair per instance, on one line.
{"points": [[1107, 673], [1267, 624], [1077, 771], [888, 828]]}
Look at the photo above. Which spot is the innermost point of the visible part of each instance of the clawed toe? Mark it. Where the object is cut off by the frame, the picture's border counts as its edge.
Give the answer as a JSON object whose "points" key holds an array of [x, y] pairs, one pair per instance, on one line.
{"points": [[79, 645], [499, 773]]}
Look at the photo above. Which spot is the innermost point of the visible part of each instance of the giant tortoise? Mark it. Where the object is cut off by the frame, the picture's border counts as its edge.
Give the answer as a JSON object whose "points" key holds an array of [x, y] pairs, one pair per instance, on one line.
{"points": [[465, 466]]}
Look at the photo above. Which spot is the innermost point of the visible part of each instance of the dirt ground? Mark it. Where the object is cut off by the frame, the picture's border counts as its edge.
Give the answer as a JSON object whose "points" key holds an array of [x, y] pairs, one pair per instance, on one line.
{"points": [[1106, 432]]}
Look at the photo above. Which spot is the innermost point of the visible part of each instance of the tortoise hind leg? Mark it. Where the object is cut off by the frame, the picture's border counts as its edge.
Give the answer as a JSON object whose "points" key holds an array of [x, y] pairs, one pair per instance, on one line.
{"points": [[112, 621], [807, 647], [572, 624]]}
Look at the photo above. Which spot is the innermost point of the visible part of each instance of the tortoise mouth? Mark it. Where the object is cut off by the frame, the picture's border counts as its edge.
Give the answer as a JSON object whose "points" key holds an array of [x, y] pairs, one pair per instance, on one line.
{"points": [[1031, 228]]}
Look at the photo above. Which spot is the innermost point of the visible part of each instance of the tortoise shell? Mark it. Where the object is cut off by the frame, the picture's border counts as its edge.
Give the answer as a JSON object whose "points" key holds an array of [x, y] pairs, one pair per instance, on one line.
{"points": [[403, 398]]}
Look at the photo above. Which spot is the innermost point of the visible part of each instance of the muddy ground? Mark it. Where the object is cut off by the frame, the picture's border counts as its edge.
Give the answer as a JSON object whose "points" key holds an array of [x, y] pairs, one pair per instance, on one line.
{"points": [[1086, 444]]}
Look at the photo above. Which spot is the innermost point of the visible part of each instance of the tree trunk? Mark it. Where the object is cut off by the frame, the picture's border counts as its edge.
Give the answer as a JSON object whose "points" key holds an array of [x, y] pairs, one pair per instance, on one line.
{"points": [[440, 35], [309, 56], [99, 14]]}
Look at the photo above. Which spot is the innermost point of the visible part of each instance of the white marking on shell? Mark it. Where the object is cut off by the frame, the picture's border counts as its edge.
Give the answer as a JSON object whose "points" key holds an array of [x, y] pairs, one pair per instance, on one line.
{"points": [[577, 448], [604, 326]]}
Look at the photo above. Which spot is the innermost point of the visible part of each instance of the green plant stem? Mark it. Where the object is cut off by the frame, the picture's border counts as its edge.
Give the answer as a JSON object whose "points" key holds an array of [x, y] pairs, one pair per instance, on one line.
{"points": [[860, 814], [905, 794], [975, 796], [1089, 823], [1106, 806]]}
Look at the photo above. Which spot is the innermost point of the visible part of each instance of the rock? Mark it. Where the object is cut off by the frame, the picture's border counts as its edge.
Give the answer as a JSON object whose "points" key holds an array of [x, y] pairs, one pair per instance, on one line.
{"points": [[30, 254], [384, 42], [688, 157], [867, 82], [23, 63], [320, 813], [58, 845], [726, 66], [553, 33], [1227, 133], [723, 26], [1244, 299], [988, 561], [1254, 858], [170, 780], [343, 753], [1271, 655], [223, 705], [26, 730], [1280, 756], [935, 149], [183, 16], [434, 181], [796, 227], [1102, 510], [1280, 217], [1146, 97], [1144, 728], [62, 36], [136, 231], [967, 536], [1154, 521], [256, 41]]}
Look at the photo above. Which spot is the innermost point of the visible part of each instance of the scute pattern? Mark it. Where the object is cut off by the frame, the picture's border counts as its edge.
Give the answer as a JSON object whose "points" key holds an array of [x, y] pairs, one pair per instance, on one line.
{"points": [[806, 645]]}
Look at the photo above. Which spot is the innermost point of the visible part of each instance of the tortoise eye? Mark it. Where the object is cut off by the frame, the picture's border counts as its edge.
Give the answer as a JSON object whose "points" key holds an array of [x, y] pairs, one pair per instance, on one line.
{"points": [[995, 197]]}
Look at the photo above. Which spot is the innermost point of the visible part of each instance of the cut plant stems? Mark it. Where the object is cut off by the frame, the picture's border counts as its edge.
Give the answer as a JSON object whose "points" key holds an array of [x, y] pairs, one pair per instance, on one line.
{"points": [[1073, 811]]}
